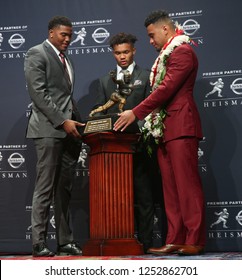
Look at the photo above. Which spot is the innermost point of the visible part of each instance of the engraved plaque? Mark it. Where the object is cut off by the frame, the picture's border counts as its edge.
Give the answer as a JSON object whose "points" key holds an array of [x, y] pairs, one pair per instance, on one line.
{"points": [[98, 125], [104, 123]]}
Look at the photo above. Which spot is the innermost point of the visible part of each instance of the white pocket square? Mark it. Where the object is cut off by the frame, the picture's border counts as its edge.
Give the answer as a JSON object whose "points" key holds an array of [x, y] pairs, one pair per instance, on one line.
{"points": [[137, 82]]}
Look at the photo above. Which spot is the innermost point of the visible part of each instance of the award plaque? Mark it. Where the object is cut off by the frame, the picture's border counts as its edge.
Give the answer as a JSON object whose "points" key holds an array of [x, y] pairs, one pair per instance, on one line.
{"points": [[98, 124], [105, 123]]}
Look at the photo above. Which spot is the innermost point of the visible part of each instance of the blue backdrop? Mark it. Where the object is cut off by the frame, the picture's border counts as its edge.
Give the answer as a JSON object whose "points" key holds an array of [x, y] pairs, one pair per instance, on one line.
{"points": [[214, 25]]}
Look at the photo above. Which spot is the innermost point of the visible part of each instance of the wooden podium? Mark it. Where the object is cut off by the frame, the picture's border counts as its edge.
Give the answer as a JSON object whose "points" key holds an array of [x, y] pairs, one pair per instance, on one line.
{"points": [[111, 195]]}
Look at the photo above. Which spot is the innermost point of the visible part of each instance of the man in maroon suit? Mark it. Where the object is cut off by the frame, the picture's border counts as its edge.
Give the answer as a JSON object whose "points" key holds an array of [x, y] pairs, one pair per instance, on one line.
{"points": [[172, 79]]}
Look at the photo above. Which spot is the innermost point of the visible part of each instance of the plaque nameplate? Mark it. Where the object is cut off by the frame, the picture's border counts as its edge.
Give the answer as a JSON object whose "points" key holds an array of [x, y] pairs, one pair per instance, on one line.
{"points": [[98, 125], [104, 123]]}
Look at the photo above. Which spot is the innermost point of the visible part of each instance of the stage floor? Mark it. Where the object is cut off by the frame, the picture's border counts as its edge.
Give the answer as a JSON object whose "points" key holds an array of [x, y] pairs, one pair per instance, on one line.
{"points": [[205, 256]]}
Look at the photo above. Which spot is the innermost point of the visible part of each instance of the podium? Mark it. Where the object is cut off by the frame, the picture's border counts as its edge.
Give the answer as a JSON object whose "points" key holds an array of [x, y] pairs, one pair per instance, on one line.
{"points": [[111, 195]]}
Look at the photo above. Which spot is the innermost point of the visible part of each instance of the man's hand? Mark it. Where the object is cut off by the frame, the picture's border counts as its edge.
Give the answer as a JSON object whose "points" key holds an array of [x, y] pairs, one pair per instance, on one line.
{"points": [[125, 119], [70, 128]]}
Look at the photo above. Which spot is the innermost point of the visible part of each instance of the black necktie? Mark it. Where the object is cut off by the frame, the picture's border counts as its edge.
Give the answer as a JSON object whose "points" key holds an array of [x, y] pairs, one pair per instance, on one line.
{"points": [[62, 56]]}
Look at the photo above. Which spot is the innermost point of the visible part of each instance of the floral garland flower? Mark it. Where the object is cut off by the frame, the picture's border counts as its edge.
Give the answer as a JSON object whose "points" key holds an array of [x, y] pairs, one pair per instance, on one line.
{"points": [[154, 126]]}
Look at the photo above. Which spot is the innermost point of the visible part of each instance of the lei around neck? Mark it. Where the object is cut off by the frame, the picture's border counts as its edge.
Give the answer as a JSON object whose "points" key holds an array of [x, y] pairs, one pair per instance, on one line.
{"points": [[158, 69]]}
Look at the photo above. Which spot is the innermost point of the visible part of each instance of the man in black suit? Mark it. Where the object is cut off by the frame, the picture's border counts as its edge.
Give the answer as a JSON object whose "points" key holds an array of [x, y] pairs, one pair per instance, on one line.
{"points": [[124, 52], [53, 127]]}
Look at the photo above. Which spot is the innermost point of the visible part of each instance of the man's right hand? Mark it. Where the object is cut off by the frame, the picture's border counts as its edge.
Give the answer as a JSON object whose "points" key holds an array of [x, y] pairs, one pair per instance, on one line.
{"points": [[124, 120]]}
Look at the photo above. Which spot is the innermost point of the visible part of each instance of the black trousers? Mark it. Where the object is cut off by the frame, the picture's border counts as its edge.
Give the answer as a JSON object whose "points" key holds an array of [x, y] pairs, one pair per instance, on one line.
{"points": [[143, 199]]}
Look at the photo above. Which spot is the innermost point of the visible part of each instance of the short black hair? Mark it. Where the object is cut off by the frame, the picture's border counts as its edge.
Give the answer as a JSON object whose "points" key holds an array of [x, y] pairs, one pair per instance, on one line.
{"points": [[59, 20], [159, 15], [122, 38]]}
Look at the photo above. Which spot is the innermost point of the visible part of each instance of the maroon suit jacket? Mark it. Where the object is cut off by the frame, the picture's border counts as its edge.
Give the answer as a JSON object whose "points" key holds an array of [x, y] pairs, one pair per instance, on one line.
{"points": [[175, 94]]}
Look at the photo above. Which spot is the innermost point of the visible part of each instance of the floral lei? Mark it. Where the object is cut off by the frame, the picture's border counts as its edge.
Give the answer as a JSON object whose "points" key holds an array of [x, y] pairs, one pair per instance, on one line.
{"points": [[158, 70], [154, 126]]}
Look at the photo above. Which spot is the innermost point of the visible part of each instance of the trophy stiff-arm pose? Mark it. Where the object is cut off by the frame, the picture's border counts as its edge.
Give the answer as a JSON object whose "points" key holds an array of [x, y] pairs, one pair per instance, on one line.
{"points": [[119, 95]]}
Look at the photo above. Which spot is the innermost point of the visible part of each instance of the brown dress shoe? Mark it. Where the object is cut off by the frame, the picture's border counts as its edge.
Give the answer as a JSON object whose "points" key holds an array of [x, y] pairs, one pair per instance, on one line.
{"points": [[190, 250], [167, 249]]}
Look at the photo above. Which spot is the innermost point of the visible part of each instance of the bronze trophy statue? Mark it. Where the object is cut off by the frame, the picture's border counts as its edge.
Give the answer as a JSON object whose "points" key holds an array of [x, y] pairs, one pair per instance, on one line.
{"points": [[119, 95], [105, 122]]}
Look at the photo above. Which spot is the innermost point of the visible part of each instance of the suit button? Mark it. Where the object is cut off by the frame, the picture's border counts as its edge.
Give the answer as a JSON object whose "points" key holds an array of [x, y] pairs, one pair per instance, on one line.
{"points": [[70, 110]]}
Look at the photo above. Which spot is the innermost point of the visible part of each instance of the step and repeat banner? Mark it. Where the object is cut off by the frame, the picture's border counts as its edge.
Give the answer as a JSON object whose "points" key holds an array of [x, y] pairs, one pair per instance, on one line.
{"points": [[214, 25]]}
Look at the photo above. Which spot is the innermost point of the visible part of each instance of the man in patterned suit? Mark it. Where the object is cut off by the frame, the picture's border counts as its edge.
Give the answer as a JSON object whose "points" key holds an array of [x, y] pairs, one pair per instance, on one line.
{"points": [[53, 127]]}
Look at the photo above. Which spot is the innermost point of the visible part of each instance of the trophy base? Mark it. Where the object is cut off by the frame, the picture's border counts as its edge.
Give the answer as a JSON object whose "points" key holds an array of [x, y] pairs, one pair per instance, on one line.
{"points": [[105, 123]]}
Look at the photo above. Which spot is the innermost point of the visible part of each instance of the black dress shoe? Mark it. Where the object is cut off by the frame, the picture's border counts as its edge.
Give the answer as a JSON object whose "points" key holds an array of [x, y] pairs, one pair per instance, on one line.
{"points": [[71, 249], [41, 250]]}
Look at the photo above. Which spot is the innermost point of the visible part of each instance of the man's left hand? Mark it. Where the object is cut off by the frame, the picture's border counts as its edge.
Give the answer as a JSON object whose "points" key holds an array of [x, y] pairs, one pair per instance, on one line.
{"points": [[125, 119], [70, 128]]}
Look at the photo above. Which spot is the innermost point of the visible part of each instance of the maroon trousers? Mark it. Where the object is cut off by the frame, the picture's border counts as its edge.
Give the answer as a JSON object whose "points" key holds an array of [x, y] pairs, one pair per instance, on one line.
{"points": [[183, 194]]}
